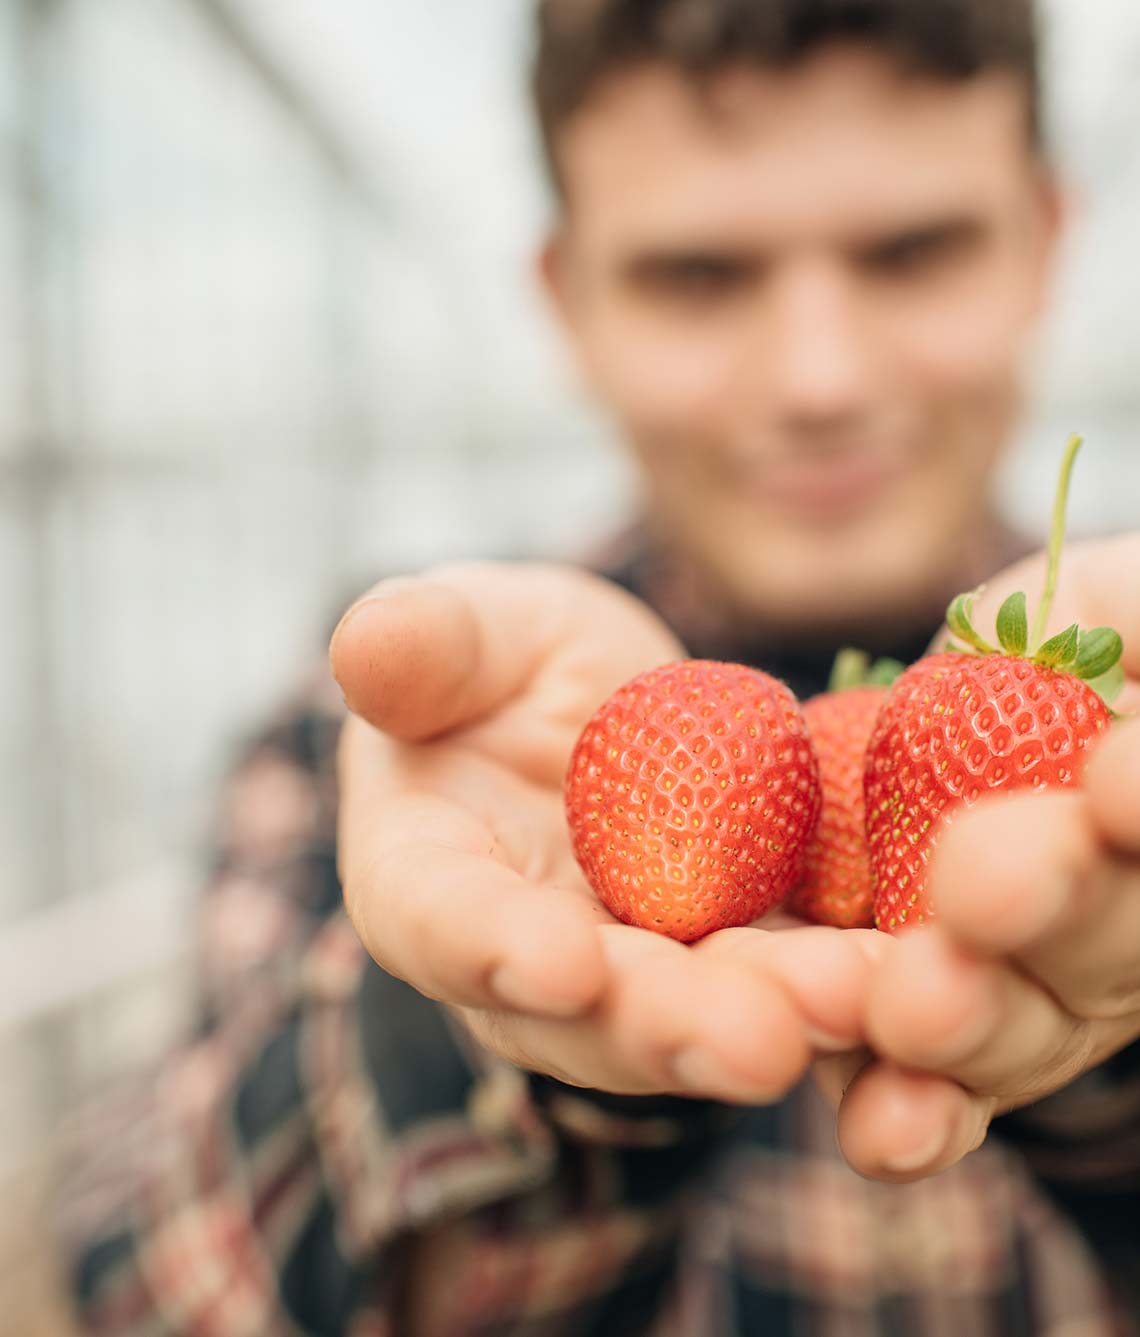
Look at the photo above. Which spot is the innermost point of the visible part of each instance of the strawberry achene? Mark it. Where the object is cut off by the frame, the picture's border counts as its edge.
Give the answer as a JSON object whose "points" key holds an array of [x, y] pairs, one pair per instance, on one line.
{"points": [[691, 797]]}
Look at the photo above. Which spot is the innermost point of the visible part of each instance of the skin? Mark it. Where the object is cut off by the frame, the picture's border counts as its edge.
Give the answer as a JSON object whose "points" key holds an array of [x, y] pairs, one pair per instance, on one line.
{"points": [[1031, 975], [825, 274], [806, 299], [468, 688]]}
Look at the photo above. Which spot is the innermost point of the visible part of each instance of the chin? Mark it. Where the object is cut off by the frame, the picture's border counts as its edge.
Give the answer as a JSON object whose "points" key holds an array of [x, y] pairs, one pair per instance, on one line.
{"points": [[814, 583]]}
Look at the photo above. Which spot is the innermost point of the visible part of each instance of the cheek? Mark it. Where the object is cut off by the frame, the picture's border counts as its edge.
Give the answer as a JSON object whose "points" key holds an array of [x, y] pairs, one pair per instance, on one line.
{"points": [[967, 343], [660, 376]]}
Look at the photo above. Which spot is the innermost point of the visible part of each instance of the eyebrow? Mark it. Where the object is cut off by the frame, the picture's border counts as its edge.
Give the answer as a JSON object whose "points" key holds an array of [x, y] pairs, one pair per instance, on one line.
{"points": [[954, 229], [651, 261], [640, 263]]}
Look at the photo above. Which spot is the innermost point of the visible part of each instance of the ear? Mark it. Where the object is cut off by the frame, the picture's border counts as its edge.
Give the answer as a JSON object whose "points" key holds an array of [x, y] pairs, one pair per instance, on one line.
{"points": [[557, 279], [1055, 208], [551, 266]]}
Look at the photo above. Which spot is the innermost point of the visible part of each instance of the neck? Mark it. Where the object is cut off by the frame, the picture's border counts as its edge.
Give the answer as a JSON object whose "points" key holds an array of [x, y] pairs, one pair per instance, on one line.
{"points": [[706, 613]]}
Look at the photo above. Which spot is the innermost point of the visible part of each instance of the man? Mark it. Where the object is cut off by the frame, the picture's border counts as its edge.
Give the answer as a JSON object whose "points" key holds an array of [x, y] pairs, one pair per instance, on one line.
{"points": [[801, 248]]}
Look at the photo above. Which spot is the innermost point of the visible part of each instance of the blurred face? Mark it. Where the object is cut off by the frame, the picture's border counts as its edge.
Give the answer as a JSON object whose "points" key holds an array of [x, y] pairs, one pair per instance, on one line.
{"points": [[806, 298]]}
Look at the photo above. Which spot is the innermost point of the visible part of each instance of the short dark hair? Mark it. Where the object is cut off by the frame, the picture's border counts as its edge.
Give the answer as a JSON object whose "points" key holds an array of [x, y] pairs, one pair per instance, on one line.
{"points": [[582, 43]]}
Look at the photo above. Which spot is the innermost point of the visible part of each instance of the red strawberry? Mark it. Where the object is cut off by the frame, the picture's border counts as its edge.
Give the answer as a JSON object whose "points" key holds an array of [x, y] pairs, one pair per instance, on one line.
{"points": [[837, 885], [691, 797], [954, 733], [960, 726]]}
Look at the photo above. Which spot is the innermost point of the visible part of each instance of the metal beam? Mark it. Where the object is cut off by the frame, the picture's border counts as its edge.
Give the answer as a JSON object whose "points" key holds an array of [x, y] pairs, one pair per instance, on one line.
{"points": [[38, 237], [47, 964], [297, 102]]}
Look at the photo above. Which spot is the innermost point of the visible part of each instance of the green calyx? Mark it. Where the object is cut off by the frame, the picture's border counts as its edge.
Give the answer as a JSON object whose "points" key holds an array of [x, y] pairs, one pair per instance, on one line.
{"points": [[1093, 656], [854, 669]]}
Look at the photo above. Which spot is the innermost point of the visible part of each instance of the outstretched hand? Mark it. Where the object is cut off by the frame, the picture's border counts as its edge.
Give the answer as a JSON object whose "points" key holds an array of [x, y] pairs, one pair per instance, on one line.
{"points": [[1031, 974], [468, 689]]}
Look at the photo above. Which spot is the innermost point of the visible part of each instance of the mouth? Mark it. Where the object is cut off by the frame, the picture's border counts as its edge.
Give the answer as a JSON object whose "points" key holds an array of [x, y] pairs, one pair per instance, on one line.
{"points": [[824, 488]]}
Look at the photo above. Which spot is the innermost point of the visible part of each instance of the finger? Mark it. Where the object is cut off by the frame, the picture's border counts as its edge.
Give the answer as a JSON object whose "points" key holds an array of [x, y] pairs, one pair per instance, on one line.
{"points": [[434, 905], [1003, 875], [826, 972], [834, 1073], [1100, 586], [466, 930], [934, 1008], [1112, 783], [1027, 876], [1105, 575], [1097, 587], [669, 1023], [899, 1126], [419, 657]]}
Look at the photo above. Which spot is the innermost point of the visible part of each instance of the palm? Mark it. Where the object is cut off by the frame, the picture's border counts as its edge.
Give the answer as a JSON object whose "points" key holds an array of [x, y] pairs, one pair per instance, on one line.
{"points": [[504, 768], [475, 772], [463, 791]]}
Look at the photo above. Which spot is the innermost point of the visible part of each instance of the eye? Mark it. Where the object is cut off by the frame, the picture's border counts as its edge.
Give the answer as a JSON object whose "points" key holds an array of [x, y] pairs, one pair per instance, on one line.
{"points": [[695, 277], [913, 254]]}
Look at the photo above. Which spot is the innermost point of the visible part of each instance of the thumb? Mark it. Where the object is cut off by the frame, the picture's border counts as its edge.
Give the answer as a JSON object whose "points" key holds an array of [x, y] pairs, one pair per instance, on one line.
{"points": [[418, 657]]}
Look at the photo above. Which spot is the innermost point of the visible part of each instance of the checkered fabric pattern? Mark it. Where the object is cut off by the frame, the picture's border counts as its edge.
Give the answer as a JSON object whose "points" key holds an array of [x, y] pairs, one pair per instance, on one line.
{"points": [[329, 1154]]}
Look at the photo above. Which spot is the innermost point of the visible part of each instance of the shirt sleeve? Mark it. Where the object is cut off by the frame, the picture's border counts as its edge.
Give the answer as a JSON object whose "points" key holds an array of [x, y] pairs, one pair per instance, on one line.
{"points": [[1089, 1132], [196, 1197], [268, 1174], [207, 1210], [271, 1175]]}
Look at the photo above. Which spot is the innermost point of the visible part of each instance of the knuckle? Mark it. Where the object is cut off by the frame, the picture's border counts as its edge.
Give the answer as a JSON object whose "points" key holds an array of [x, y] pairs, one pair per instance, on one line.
{"points": [[1069, 1056], [492, 1032], [1111, 1001], [374, 888], [500, 1035]]}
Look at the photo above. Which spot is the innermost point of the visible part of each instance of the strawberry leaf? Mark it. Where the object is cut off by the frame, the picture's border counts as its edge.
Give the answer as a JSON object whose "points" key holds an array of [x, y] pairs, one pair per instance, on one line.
{"points": [[1061, 651], [1100, 651], [885, 673], [959, 618], [1013, 625]]}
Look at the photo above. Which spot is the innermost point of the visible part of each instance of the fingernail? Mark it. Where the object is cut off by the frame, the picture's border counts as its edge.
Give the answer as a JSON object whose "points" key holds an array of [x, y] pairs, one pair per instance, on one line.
{"points": [[702, 1073], [517, 991], [928, 1153], [828, 1044], [342, 625], [1053, 895], [1019, 919], [873, 944], [380, 594]]}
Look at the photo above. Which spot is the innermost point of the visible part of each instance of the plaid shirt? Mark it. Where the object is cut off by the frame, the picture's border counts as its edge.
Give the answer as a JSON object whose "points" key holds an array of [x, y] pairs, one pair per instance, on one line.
{"points": [[330, 1154]]}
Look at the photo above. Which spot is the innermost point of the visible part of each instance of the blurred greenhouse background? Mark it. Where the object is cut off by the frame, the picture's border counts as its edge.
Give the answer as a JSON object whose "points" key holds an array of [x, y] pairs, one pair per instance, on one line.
{"points": [[268, 332]]}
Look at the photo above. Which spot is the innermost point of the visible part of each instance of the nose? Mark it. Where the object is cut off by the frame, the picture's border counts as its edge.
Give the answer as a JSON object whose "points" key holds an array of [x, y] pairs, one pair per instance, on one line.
{"points": [[816, 348]]}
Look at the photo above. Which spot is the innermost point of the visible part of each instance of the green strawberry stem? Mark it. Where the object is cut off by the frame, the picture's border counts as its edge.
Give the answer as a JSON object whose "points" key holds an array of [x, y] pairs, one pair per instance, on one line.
{"points": [[1056, 544], [854, 669], [850, 670], [1093, 656]]}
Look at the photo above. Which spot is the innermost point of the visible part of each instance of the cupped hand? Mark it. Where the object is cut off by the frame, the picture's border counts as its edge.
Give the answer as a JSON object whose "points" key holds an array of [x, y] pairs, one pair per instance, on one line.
{"points": [[1031, 974], [468, 688]]}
